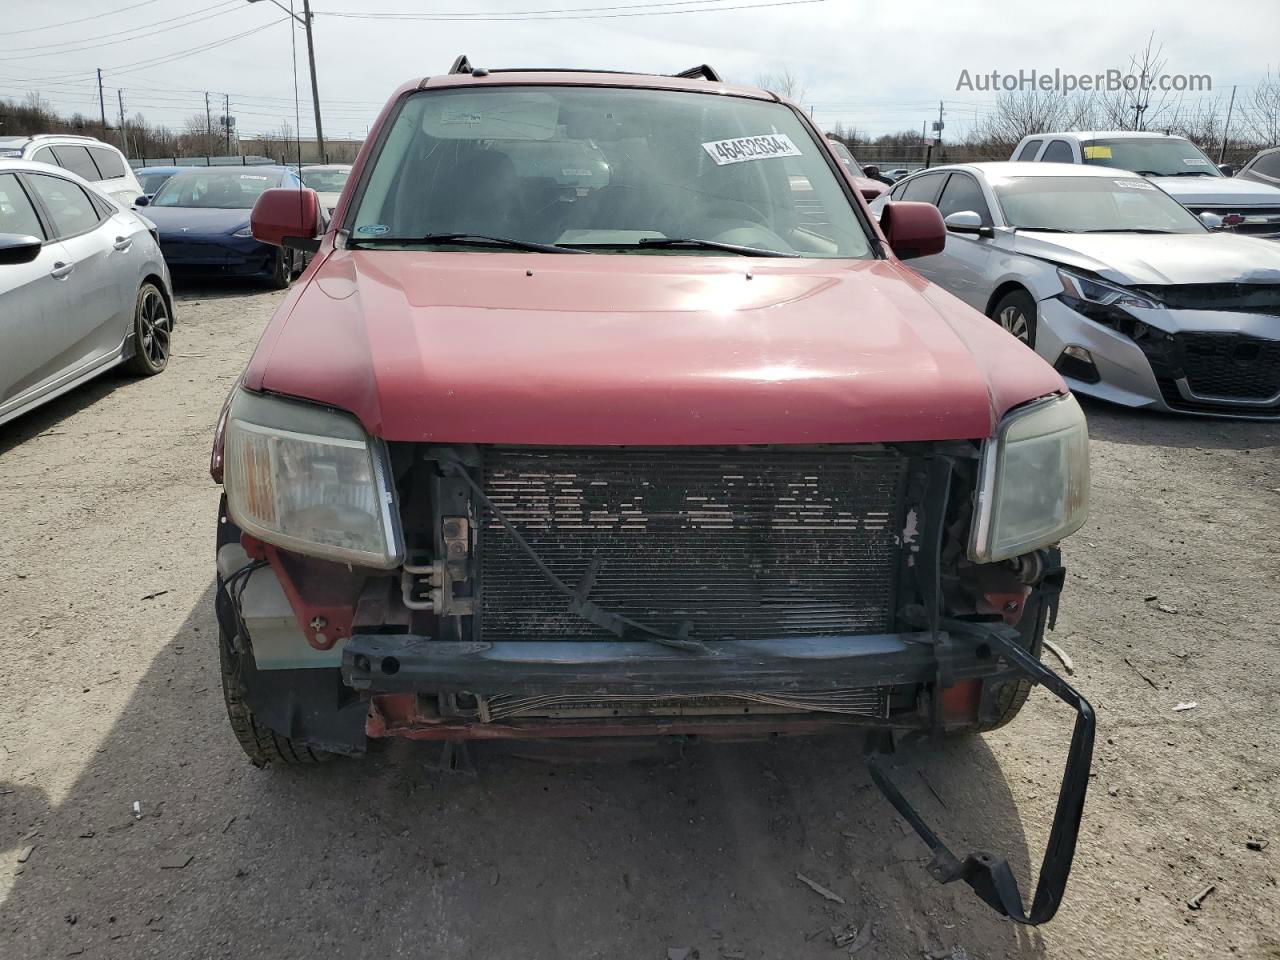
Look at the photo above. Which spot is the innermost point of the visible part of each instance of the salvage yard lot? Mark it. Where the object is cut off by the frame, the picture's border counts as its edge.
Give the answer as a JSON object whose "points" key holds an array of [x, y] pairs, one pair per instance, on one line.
{"points": [[110, 697]]}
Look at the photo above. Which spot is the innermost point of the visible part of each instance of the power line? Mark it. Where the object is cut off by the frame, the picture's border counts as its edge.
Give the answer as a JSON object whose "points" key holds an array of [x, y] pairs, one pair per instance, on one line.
{"points": [[137, 36], [362, 15], [68, 23], [119, 33], [535, 15]]}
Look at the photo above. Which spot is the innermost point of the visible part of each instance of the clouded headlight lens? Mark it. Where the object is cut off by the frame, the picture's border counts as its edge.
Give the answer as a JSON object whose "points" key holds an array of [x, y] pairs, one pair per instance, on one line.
{"points": [[311, 480], [1034, 484]]}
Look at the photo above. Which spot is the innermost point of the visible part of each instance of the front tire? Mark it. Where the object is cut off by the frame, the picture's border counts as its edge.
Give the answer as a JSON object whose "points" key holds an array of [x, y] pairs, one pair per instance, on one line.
{"points": [[1016, 312], [152, 332], [261, 745], [282, 271]]}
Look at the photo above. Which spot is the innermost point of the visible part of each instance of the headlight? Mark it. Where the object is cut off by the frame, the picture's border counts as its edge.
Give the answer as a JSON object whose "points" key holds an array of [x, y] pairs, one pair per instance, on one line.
{"points": [[244, 233], [310, 480], [1079, 287], [1033, 488]]}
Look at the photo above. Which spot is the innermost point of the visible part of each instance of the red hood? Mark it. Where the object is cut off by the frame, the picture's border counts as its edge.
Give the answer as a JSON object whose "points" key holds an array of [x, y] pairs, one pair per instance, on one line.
{"points": [[660, 350]]}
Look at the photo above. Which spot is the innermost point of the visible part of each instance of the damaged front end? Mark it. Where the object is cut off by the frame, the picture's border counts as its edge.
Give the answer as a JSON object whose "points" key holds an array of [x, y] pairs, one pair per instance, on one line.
{"points": [[730, 591]]}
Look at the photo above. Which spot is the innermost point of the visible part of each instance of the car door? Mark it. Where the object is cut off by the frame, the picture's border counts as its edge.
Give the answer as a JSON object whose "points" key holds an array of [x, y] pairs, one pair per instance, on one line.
{"points": [[964, 264], [33, 301], [101, 284]]}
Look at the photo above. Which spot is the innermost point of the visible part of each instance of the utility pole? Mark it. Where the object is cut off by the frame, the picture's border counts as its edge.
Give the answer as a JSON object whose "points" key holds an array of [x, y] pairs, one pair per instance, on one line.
{"points": [[124, 133], [305, 20], [208, 125], [1223, 152], [226, 118], [102, 104]]}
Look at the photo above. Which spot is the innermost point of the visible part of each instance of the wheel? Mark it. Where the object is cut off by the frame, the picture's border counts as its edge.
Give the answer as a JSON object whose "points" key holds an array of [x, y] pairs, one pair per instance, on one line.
{"points": [[1016, 312], [152, 330], [1009, 696], [282, 271], [262, 746]]}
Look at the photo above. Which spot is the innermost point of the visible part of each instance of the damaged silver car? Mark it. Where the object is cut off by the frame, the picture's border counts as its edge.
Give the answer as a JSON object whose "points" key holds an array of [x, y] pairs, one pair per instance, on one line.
{"points": [[1130, 296]]}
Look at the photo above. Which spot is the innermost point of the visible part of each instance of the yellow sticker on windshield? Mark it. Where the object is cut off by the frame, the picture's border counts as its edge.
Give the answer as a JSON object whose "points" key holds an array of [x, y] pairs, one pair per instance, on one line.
{"points": [[1097, 153]]}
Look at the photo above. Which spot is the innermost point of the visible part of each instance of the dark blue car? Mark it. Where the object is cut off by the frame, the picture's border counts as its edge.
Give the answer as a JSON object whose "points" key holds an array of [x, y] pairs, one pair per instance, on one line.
{"points": [[153, 178], [203, 217]]}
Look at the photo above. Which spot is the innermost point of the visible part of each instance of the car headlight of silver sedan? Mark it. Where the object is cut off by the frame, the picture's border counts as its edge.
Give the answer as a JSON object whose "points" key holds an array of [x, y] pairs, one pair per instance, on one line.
{"points": [[1076, 286], [1033, 486], [309, 479]]}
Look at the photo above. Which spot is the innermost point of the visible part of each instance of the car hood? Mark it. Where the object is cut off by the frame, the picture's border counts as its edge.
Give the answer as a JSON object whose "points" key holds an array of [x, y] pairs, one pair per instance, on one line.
{"points": [[1218, 191], [1142, 258], [661, 350], [206, 220]]}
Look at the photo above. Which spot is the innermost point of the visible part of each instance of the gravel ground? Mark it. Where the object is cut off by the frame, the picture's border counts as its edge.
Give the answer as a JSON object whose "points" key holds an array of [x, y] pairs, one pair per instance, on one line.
{"points": [[112, 698]]}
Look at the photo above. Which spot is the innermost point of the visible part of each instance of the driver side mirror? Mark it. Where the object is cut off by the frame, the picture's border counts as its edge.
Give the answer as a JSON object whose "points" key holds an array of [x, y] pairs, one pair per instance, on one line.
{"points": [[16, 248], [287, 217], [1227, 169], [143, 200], [913, 229], [966, 221]]}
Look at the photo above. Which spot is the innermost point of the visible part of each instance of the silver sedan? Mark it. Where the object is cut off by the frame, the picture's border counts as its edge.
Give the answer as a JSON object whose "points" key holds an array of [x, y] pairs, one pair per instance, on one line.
{"points": [[1130, 296], [83, 287]]}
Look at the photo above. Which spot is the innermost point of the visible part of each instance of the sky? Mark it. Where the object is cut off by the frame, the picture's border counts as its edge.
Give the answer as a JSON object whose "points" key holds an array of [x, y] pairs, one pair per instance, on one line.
{"points": [[879, 67]]}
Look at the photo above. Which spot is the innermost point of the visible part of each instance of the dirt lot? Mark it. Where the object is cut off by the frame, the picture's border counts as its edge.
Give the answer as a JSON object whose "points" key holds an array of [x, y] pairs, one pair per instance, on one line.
{"points": [[111, 697]]}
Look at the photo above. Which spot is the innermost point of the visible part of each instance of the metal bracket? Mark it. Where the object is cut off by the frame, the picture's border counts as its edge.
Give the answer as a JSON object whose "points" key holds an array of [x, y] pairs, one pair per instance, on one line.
{"points": [[989, 875]]}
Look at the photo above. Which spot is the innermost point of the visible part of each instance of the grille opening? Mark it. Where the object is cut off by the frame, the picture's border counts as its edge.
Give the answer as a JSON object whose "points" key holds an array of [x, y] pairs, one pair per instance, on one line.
{"points": [[738, 544]]}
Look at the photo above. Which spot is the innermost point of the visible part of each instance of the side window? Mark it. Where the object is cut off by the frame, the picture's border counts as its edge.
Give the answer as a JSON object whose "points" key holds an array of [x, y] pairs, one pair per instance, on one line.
{"points": [[924, 187], [1028, 152], [45, 155], [1059, 151], [109, 163], [897, 191], [78, 161], [1268, 165], [17, 215], [67, 203], [963, 193]]}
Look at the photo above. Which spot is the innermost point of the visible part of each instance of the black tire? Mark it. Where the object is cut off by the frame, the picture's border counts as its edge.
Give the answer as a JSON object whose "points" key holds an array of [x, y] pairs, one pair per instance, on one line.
{"points": [[262, 745], [1008, 697], [152, 332], [1016, 312], [282, 271]]}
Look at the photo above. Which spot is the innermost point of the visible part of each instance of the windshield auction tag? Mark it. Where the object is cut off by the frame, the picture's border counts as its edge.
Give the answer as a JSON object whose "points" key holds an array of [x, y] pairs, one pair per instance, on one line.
{"points": [[1097, 153], [1134, 184], [742, 149], [1195, 161]]}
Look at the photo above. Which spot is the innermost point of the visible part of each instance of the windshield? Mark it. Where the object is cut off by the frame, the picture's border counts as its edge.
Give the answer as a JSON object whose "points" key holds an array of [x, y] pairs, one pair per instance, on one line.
{"points": [[215, 189], [326, 181], [607, 170], [846, 157], [1092, 205], [1150, 156]]}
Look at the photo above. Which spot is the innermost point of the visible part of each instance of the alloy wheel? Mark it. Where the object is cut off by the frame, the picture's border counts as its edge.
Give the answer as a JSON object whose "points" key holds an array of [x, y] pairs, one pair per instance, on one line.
{"points": [[1015, 321], [156, 327]]}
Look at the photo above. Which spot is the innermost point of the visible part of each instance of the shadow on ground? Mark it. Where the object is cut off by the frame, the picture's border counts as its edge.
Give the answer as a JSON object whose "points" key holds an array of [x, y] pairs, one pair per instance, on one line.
{"points": [[390, 856], [48, 416], [1148, 428]]}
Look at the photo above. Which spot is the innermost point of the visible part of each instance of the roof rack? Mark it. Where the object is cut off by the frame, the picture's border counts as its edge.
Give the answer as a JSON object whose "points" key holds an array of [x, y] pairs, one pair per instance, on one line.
{"points": [[463, 65]]}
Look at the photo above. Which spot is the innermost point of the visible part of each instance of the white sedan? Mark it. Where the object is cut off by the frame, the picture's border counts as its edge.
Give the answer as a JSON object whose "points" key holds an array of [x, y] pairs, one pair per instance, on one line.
{"points": [[83, 287], [1129, 295]]}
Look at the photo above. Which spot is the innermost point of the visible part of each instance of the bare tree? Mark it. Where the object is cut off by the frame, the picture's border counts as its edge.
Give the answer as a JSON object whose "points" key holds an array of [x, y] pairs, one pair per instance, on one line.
{"points": [[1260, 113], [782, 82], [1026, 112]]}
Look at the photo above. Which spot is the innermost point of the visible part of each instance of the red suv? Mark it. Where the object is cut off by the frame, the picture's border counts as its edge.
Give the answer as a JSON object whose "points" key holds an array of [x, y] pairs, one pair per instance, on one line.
{"points": [[606, 409]]}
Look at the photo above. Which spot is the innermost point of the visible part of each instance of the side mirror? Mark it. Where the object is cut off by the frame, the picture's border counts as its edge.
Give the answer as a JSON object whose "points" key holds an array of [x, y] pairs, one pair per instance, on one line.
{"points": [[913, 229], [1227, 169], [287, 217], [143, 200], [1211, 220], [966, 221], [18, 248]]}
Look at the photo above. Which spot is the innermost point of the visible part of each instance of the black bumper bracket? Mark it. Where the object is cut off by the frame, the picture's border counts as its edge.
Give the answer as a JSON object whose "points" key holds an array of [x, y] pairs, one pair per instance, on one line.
{"points": [[989, 875]]}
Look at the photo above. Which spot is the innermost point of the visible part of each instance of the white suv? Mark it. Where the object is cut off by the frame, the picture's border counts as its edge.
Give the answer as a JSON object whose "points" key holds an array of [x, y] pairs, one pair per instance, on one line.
{"points": [[100, 163]]}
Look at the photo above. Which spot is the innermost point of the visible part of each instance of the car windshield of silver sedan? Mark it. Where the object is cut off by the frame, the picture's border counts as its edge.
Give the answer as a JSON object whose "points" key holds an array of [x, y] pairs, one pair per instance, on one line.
{"points": [[604, 170], [1092, 205], [219, 190], [1150, 156]]}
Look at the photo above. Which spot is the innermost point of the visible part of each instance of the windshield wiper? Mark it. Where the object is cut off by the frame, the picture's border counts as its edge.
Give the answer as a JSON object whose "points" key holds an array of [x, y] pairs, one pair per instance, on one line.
{"points": [[467, 239], [1044, 229], [692, 243], [1126, 230]]}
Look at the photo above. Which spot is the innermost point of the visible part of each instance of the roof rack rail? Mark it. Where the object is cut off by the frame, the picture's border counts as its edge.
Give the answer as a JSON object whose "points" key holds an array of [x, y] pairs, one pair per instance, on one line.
{"points": [[702, 70]]}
